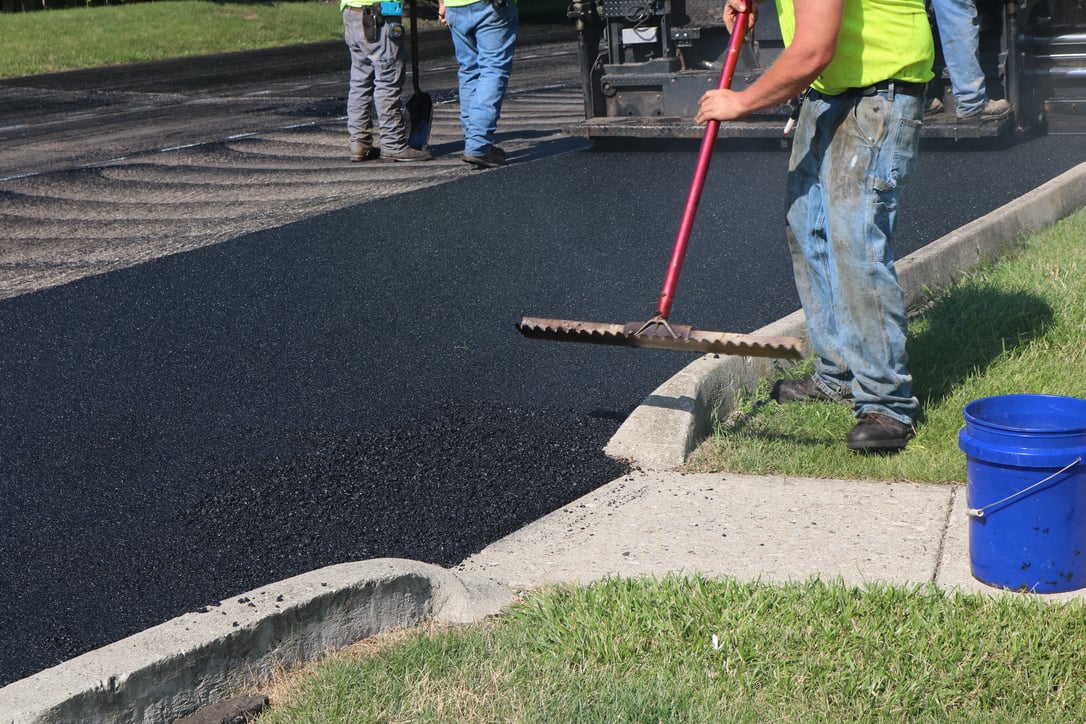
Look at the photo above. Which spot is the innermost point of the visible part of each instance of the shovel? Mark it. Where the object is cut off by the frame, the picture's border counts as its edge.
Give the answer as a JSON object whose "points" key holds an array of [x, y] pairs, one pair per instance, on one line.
{"points": [[658, 332], [420, 107]]}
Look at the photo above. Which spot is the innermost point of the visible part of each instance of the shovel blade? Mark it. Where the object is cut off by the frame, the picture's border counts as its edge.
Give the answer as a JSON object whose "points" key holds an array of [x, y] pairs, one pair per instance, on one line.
{"points": [[677, 337], [420, 109]]}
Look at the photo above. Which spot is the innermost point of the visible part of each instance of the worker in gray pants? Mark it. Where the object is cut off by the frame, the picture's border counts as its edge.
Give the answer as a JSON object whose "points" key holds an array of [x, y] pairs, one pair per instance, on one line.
{"points": [[375, 35]]}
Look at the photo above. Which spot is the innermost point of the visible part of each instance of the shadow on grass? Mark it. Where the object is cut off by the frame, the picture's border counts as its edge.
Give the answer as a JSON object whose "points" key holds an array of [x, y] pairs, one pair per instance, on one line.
{"points": [[968, 330]]}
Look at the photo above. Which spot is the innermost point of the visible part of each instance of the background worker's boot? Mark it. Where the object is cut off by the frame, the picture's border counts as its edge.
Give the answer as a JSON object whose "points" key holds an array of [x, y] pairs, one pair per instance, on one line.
{"points": [[990, 109], [407, 154], [495, 156], [363, 151]]}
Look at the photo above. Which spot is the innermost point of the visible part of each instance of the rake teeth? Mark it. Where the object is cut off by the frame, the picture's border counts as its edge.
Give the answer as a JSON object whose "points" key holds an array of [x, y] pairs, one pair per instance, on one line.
{"points": [[684, 339]]}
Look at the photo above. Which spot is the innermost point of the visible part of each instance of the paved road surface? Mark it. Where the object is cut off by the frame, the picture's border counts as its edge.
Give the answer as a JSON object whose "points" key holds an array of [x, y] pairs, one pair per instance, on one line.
{"points": [[350, 385]]}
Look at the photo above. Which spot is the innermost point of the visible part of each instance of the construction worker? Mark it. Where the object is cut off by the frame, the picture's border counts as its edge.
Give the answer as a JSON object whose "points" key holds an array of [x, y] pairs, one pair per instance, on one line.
{"points": [[484, 34], [959, 37], [374, 34], [863, 65]]}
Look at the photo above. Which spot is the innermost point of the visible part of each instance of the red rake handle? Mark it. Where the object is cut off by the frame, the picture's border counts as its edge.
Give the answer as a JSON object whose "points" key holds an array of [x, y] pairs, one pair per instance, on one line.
{"points": [[667, 295]]}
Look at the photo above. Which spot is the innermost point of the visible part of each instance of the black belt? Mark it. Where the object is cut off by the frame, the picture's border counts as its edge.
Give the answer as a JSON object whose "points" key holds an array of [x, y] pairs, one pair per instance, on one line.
{"points": [[892, 87]]}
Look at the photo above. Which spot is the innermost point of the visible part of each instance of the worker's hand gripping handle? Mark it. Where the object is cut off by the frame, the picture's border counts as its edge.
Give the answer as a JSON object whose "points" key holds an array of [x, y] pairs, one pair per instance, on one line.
{"points": [[731, 57]]}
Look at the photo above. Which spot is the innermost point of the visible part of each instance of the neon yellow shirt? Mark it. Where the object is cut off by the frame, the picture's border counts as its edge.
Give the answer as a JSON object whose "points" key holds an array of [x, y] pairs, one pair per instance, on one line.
{"points": [[879, 40]]}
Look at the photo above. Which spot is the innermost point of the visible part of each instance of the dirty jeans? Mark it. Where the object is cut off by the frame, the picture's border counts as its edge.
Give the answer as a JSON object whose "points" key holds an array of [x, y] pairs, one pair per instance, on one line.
{"points": [[377, 74], [959, 34], [851, 157], [484, 38]]}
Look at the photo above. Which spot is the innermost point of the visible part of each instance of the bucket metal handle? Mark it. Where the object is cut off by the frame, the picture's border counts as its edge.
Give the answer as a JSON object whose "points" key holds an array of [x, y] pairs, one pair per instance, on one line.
{"points": [[979, 512]]}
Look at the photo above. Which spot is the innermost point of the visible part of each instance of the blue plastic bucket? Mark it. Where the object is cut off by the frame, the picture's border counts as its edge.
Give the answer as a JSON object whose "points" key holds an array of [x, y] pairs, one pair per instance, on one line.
{"points": [[1026, 491]]}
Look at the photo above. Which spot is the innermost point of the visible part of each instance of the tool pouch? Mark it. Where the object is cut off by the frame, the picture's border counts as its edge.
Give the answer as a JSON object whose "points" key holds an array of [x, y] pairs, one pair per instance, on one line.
{"points": [[370, 22], [392, 13]]}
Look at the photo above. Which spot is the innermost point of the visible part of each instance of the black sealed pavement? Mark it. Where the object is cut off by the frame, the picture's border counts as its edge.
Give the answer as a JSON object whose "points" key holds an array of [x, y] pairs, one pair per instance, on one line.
{"points": [[352, 386]]}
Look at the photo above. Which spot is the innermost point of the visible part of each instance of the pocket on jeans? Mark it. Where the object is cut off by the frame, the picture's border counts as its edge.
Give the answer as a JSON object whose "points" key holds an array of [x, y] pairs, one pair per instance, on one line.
{"points": [[897, 158]]}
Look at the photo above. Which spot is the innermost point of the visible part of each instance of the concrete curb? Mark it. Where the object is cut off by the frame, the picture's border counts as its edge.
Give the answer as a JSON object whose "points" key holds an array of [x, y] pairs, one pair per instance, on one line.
{"points": [[671, 422], [170, 670]]}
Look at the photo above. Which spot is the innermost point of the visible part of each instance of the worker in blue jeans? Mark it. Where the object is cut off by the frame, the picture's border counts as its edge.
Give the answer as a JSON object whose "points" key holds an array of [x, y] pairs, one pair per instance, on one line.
{"points": [[864, 66], [959, 36], [484, 34]]}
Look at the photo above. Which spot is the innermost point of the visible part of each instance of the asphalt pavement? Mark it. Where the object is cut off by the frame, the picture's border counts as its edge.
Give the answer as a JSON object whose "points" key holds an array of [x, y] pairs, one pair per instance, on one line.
{"points": [[203, 410]]}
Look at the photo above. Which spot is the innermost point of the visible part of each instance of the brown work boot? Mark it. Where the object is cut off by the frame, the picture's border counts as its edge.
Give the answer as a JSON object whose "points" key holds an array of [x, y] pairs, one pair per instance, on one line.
{"points": [[990, 110], [407, 154], [491, 159], [876, 432], [363, 151], [805, 390]]}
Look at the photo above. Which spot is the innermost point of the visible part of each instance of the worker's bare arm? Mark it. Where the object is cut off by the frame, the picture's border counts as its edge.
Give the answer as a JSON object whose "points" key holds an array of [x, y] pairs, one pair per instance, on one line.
{"points": [[818, 23]]}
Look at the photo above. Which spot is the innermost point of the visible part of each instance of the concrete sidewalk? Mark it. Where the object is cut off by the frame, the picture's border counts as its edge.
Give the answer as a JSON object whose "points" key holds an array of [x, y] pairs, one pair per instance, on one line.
{"points": [[653, 521], [747, 527], [743, 526]]}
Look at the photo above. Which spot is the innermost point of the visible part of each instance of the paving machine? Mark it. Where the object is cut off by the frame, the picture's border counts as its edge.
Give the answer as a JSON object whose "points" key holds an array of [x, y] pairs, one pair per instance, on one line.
{"points": [[645, 64]]}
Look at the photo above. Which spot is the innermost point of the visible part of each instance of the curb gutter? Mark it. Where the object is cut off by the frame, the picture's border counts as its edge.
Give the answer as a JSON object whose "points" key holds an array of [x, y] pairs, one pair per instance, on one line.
{"points": [[671, 422]]}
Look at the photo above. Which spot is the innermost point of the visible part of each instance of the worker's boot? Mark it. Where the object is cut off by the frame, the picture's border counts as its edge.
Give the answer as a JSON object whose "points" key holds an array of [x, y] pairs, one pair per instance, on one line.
{"points": [[363, 151], [990, 110], [408, 154], [494, 157], [805, 390], [876, 432]]}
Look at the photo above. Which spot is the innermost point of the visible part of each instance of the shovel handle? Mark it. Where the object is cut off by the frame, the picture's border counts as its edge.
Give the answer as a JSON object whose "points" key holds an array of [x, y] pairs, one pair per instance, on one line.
{"points": [[671, 281], [414, 30]]}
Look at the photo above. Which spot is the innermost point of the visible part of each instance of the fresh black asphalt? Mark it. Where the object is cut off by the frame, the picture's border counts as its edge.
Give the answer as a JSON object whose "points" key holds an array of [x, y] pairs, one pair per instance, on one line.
{"points": [[352, 386]]}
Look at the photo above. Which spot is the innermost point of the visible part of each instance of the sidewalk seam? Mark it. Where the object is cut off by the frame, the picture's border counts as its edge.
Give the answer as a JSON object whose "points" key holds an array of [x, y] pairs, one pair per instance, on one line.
{"points": [[940, 552]]}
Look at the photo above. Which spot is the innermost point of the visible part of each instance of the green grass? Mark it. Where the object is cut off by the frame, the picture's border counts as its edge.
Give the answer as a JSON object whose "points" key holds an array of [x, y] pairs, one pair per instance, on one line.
{"points": [[46, 41], [644, 651], [1016, 327], [108, 35]]}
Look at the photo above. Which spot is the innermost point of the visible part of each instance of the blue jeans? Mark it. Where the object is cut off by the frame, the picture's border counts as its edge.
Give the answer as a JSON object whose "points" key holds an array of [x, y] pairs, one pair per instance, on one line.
{"points": [[851, 157], [959, 35], [484, 38]]}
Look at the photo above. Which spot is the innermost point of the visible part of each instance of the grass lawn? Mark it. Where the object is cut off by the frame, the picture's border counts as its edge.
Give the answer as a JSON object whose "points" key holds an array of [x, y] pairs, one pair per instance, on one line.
{"points": [[108, 35], [688, 649], [130, 33]]}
